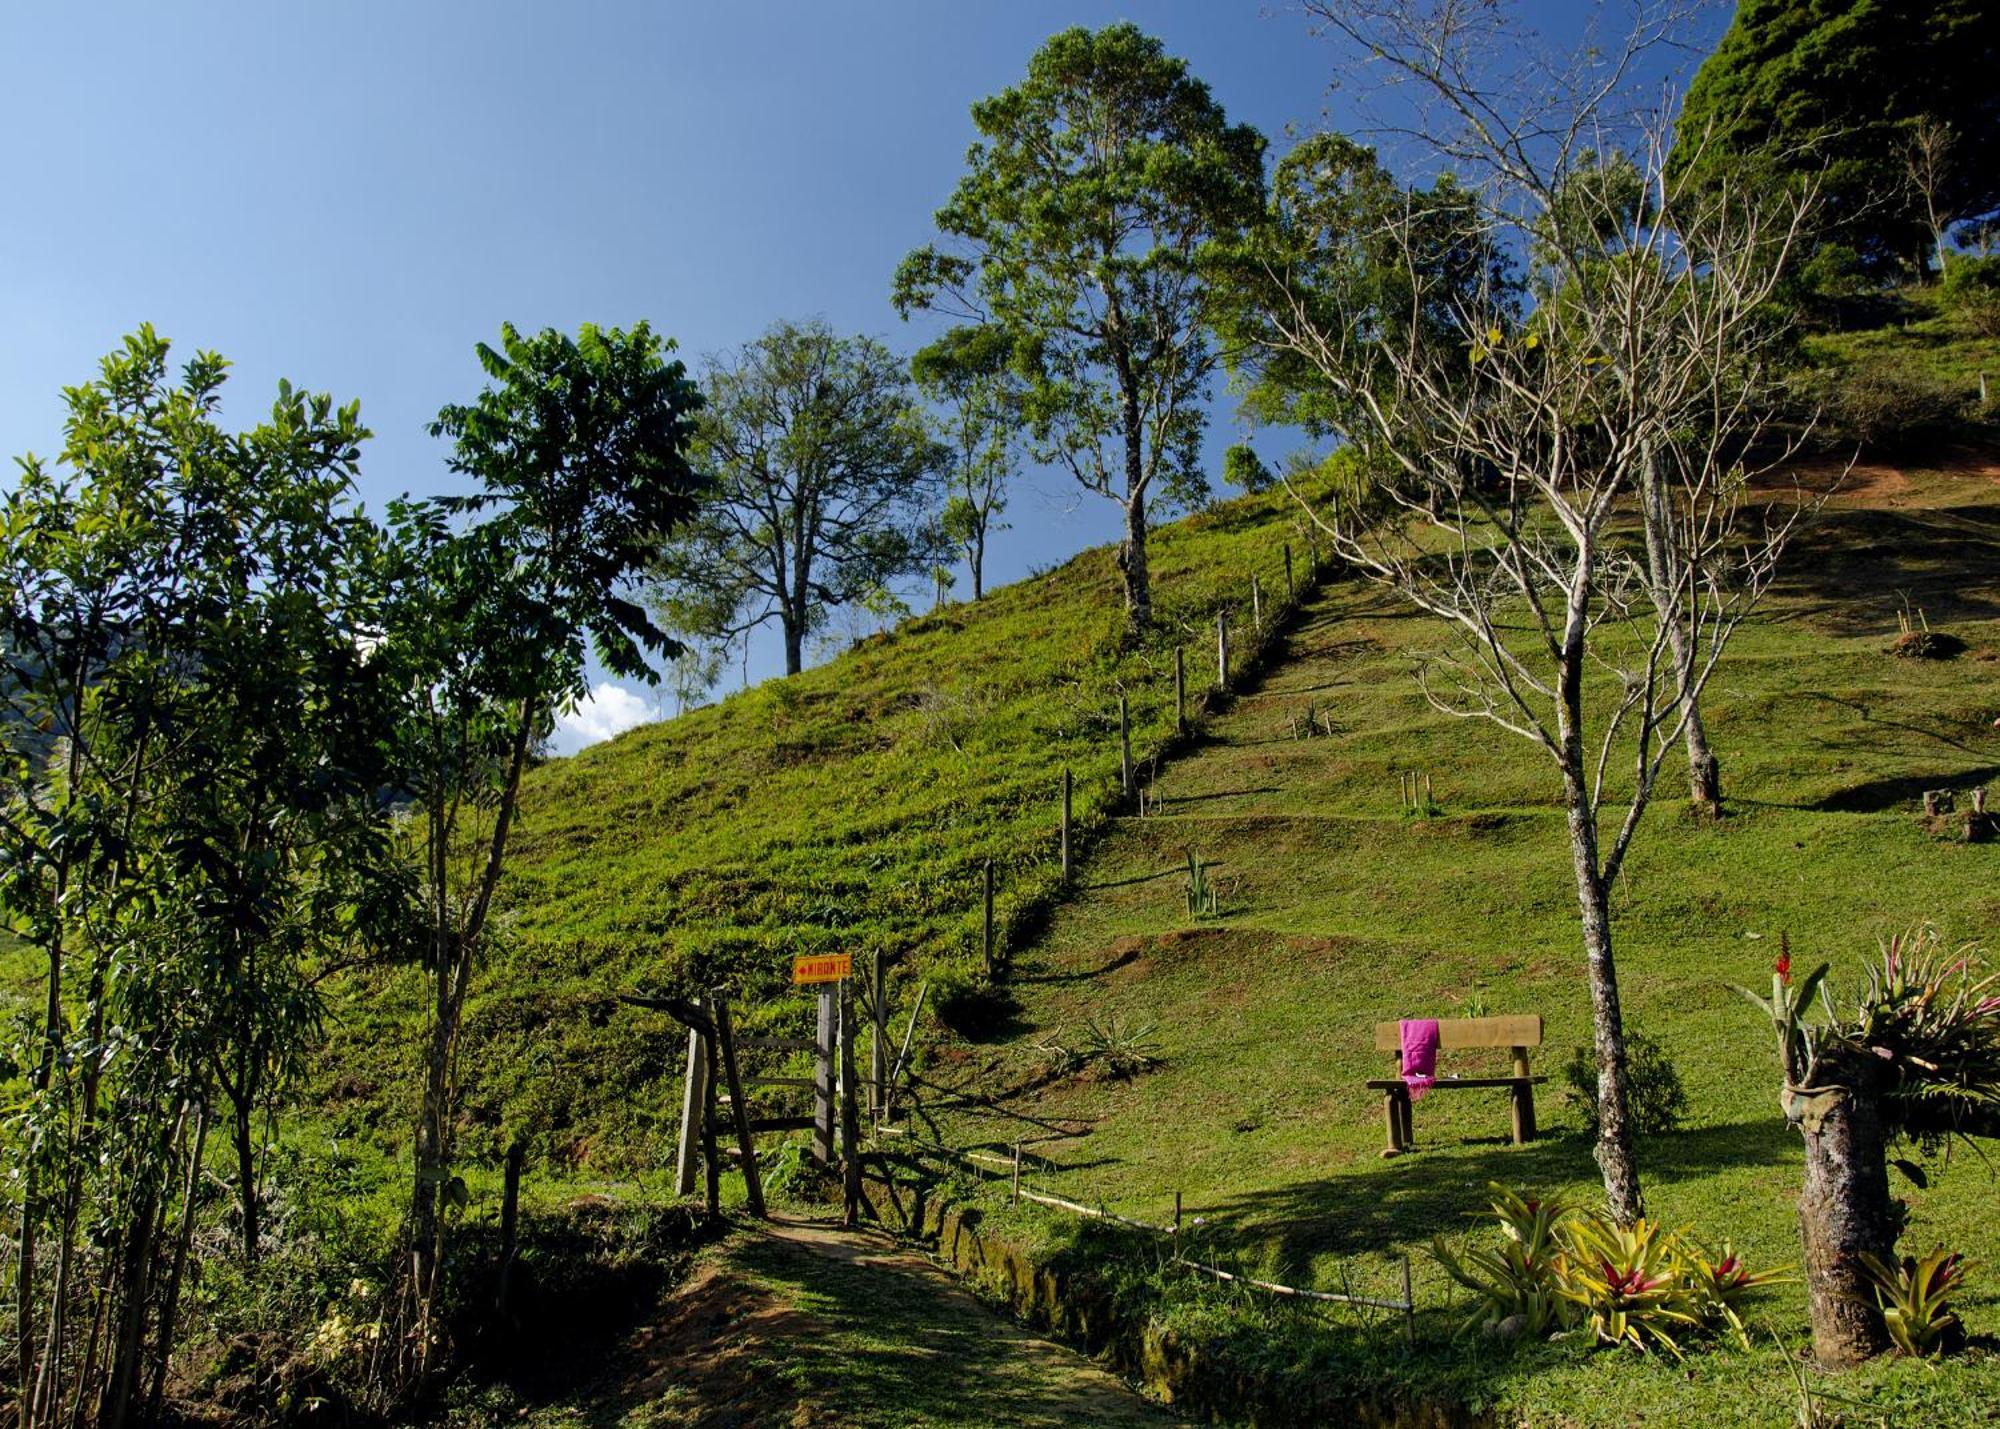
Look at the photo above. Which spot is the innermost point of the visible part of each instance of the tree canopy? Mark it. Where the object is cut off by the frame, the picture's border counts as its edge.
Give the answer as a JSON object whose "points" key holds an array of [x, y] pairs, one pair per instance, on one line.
{"points": [[826, 474], [1837, 89], [1077, 230]]}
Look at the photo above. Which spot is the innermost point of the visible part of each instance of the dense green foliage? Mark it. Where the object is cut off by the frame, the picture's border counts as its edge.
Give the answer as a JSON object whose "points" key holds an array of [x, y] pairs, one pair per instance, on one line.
{"points": [[825, 472], [1829, 92], [1094, 188]]}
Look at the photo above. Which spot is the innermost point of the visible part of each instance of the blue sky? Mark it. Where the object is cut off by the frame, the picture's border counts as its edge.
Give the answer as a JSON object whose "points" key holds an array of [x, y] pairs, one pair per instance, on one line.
{"points": [[352, 195]]}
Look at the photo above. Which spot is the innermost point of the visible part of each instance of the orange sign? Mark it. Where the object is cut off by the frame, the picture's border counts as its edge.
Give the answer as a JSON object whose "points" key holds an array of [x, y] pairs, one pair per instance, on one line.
{"points": [[829, 968]]}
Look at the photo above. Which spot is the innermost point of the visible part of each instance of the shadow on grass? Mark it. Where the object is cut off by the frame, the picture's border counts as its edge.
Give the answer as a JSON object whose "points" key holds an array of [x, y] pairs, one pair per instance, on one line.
{"points": [[1412, 1198], [1867, 561], [1877, 795]]}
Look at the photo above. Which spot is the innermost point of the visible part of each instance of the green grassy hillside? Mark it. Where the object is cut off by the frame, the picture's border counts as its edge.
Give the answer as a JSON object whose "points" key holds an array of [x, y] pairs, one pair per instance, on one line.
{"points": [[1338, 910], [849, 808]]}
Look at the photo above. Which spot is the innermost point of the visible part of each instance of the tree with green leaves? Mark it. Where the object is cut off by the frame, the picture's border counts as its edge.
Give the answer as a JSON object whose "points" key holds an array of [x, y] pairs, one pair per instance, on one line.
{"points": [[969, 375], [826, 473], [1077, 232], [579, 449], [191, 753], [1834, 93]]}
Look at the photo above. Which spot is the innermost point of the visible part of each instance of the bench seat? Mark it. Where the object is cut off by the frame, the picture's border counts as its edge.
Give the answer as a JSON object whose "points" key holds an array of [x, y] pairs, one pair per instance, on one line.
{"points": [[1447, 1083], [1517, 1034]]}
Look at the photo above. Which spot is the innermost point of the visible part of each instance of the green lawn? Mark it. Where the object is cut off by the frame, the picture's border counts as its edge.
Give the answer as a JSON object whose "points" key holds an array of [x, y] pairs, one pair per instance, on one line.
{"points": [[1338, 911]]}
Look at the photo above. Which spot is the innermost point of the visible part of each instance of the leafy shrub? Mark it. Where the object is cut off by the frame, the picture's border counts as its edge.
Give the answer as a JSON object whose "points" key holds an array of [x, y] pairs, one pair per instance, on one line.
{"points": [[1914, 1297], [1559, 1267], [1658, 1099], [1971, 293], [1879, 404]]}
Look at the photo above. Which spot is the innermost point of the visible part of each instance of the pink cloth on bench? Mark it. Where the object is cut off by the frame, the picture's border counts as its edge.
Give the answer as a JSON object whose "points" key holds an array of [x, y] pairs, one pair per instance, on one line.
{"points": [[1420, 1055]]}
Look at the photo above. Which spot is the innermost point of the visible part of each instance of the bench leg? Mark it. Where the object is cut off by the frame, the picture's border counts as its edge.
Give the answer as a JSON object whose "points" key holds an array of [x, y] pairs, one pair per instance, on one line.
{"points": [[1409, 1127], [1524, 1114], [1392, 1121]]}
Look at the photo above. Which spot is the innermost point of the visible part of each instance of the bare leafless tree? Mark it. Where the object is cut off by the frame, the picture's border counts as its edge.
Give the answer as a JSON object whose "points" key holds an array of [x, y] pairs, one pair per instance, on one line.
{"points": [[1564, 457], [1927, 153]]}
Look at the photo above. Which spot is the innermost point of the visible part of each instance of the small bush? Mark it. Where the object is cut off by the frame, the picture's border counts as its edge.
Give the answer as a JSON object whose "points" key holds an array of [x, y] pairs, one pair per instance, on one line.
{"points": [[1659, 1101], [1878, 404], [1971, 294]]}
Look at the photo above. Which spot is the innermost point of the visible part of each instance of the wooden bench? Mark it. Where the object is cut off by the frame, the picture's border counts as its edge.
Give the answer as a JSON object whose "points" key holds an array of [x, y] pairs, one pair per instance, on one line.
{"points": [[1517, 1034]]}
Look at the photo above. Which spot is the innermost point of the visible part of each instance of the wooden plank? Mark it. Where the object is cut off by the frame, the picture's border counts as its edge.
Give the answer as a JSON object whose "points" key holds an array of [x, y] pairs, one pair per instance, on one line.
{"points": [[1454, 1033], [1445, 1084], [753, 1185], [694, 1101]]}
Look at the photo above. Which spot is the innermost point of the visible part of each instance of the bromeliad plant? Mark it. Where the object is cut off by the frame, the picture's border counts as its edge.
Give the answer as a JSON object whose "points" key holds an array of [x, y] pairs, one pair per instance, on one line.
{"points": [[1914, 1298], [1914, 1055], [1558, 1267]]}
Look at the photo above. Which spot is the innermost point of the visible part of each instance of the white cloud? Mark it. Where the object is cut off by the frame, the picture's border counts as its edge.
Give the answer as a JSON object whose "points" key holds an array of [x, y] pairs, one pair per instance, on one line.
{"points": [[607, 710]]}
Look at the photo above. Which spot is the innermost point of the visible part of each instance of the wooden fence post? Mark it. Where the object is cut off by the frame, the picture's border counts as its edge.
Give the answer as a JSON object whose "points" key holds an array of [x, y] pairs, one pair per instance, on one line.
{"points": [[878, 1048], [1984, 400], [1290, 594], [991, 962], [823, 1077], [1222, 651], [739, 1106], [1256, 603], [694, 1107], [1017, 1173], [1180, 689], [850, 1130], [510, 1218], [1125, 744], [711, 1153], [1065, 825]]}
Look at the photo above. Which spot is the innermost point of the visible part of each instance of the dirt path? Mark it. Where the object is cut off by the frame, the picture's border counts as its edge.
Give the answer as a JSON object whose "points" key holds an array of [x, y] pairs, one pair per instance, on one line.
{"points": [[807, 1325]]}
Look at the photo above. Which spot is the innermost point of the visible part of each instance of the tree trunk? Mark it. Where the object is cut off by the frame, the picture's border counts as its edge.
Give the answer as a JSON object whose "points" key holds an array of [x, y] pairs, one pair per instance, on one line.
{"points": [[1132, 562], [978, 561], [794, 644], [1615, 1156], [1704, 773], [1844, 1211], [242, 1135]]}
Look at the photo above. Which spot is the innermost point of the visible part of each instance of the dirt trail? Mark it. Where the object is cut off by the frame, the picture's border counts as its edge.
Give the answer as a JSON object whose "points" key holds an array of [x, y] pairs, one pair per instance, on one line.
{"points": [[805, 1324]]}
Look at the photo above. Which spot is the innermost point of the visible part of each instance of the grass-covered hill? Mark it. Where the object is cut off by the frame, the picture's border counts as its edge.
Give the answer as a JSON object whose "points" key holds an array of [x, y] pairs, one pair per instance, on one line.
{"points": [[849, 808], [1338, 909]]}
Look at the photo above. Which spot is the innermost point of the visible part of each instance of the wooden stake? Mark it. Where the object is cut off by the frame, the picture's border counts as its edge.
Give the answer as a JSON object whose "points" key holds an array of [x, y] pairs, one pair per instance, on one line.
{"points": [[1257, 604], [739, 1107], [1222, 651], [903, 1057], [1289, 592], [850, 1128], [510, 1215], [1983, 398], [1180, 689], [694, 1106], [1065, 825], [823, 1076], [711, 1154], [991, 964], [1177, 1215], [1125, 744], [1409, 1306], [1017, 1173], [878, 1048]]}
